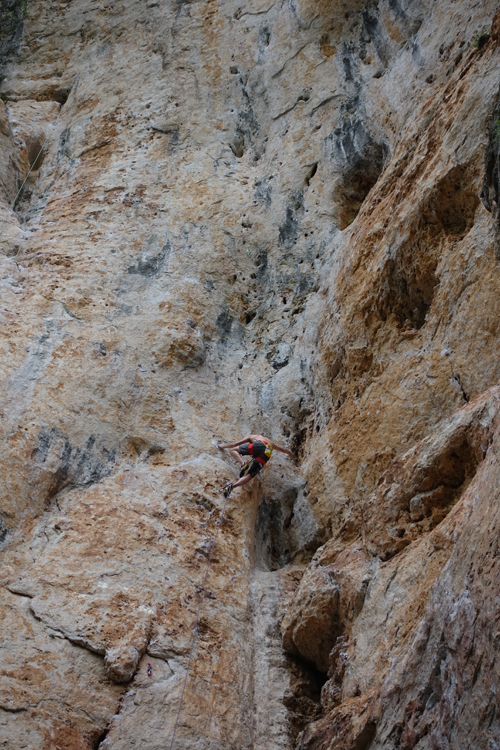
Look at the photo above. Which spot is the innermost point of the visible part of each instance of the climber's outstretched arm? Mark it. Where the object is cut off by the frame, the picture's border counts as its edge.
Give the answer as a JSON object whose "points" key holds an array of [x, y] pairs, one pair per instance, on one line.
{"points": [[247, 439], [282, 450]]}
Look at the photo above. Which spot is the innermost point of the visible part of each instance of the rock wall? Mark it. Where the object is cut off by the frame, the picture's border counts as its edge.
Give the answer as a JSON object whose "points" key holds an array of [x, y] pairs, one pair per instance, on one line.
{"points": [[215, 219]]}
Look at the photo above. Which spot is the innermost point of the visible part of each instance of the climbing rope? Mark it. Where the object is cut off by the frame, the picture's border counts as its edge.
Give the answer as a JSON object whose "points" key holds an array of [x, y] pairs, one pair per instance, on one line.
{"points": [[201, 592], [18, 194]]}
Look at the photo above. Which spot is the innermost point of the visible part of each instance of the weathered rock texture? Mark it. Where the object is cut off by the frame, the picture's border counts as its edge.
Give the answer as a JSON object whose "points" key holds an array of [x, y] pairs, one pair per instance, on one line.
{"points": [[218, 218]]}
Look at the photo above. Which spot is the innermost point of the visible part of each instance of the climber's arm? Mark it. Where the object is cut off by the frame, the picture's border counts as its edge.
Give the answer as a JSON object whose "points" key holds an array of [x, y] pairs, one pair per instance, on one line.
{"points": [[247, 439], [282, 450]]}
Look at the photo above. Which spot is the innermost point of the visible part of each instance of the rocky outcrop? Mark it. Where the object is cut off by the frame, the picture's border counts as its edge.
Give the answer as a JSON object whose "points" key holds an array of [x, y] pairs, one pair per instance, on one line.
{"points": [[218, 219], [437, 688], [370, 625]]}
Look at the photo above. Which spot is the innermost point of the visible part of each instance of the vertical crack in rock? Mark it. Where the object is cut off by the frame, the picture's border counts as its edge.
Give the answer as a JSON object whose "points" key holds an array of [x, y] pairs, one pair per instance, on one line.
{"points": [[271, 724], [490, 190]]}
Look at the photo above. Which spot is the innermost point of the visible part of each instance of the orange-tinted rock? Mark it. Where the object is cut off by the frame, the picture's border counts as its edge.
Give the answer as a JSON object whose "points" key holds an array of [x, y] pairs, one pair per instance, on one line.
{"points": [[280, 218]]}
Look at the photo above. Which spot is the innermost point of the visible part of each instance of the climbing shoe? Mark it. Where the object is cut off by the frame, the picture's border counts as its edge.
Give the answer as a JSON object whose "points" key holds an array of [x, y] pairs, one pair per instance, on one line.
{"points": [[226, 491]]}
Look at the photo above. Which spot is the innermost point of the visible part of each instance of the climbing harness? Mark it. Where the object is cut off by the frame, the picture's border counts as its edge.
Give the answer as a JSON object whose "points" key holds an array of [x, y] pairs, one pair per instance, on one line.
{"points": [[267, 453], [201, 592], [255, 450]]}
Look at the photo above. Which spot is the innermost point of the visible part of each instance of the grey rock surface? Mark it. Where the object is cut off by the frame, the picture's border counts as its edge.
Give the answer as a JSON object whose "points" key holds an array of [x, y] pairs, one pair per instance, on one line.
{"points": [[216, 220]]}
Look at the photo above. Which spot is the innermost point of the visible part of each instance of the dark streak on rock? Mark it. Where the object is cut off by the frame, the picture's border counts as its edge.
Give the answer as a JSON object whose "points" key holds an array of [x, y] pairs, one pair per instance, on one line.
{"points": [[151, 261], [76, 466], [289, 229]]}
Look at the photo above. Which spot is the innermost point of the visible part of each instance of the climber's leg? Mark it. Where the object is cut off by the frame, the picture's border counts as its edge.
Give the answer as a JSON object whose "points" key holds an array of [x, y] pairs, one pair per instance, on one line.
{"points": [[242, 481], [237, 456], [253, 470]]}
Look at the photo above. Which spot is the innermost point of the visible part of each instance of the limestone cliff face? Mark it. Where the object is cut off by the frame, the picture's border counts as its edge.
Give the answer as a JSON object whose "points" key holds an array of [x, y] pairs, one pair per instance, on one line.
{"points": [[219, 218]]}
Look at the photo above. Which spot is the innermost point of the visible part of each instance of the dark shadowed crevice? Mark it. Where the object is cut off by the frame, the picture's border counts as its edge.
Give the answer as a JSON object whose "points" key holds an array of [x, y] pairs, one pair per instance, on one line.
{"points": [[303, 697], [35, 155], [357, 159], [452, 204], [409, 278], [60, 95], [3, 529], [490, 191], [237, 145], [273, 547], [409, 290], [96, 743], [357, 183], [312, 171], [299, 437], [365, 738]]}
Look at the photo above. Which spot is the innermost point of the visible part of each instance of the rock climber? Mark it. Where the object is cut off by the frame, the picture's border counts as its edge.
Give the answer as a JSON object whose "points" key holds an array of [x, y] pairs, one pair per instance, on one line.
{"points": [[259, 448]]}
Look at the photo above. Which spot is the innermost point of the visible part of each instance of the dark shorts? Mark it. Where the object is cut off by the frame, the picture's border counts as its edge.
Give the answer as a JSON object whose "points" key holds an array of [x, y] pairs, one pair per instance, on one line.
{"points": [[254, 469], [258, 449], [255, 466]]}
